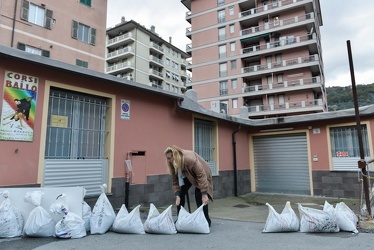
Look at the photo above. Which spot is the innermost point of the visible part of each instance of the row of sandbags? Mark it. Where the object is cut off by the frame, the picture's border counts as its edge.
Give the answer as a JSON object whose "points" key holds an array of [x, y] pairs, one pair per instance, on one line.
{"points": [[327, 220], [99, 221]]}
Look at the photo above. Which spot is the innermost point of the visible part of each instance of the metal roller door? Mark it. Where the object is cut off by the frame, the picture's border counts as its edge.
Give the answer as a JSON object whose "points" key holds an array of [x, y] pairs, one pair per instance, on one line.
{"points": [[281, 164]]}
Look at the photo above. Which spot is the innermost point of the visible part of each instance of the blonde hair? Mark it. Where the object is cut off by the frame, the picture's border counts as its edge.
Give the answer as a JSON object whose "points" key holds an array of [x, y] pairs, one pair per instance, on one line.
{"points": [[178, 161]]}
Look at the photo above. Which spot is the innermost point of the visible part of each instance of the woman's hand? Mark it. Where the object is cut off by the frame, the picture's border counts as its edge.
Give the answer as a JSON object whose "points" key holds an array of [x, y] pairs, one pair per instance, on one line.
{"points": [[177, 200], [205, 199]]}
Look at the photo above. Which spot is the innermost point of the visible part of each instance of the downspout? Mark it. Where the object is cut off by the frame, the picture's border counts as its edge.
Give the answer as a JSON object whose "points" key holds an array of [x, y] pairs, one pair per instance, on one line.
{"points": [[14, 23], [235, 165]]}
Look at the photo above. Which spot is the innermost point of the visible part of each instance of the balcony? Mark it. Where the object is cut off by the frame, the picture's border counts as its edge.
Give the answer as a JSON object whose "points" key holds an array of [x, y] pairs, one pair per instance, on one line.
{"points": [[268, 7], [287, 107], [281, 65], [156, 60], [280, 24], [120, 54], [156, 48], [305, 83], [156, 74], [120, 67], [120, 40]]}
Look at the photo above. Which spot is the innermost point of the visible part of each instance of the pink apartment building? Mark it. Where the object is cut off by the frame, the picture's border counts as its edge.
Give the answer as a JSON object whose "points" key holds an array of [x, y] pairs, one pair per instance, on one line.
{"points": [[264, 55], [70, 31]]}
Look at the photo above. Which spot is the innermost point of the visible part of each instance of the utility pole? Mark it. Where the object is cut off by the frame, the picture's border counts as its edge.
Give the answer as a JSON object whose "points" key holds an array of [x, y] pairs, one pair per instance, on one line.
{"points": [[361, 163]]}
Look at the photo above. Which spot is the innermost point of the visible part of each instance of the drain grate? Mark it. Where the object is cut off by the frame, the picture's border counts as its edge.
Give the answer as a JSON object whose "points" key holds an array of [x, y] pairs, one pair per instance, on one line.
{"points": [[241, 206]]}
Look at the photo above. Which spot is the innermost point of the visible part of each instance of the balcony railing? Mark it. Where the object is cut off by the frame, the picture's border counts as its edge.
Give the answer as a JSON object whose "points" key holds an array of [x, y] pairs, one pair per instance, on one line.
{"points": [[270, 25], [286, 105], [280, 64], [120, 38], [155, 72], [282, 42], [119, 66], [273, 5], [284, 84], [157, 47], [223, 92], [156, 59], [119, 52]]}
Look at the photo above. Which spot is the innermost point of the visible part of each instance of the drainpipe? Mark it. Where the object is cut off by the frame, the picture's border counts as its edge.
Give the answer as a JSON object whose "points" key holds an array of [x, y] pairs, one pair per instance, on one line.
{"points": [[14, 23], [234, 156]]}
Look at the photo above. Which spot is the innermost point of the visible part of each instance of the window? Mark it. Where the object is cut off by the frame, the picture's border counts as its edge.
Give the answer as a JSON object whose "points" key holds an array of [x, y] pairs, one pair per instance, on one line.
{"points": [[167, 61], [233, 64], [221, 16], [280, 78], [231, 10], [220, 2], [232, 47], [223, 69], [232, 28], [33, 50], [221, 33], [276, 20], [223, 88], [83, 33], [222, 51], [86, 2], [234, 83], [204, 142], [269, 79], [81, 63], [234, 103], [36, 14]]}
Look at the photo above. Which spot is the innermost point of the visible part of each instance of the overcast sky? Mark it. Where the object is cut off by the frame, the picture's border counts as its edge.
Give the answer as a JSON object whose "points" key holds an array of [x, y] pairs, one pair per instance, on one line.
{"points": [[342, 20]]}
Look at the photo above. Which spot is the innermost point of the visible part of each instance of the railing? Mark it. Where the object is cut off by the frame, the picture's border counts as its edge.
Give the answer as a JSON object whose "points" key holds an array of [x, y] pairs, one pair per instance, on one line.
{"points": [[284, 84], [223, 92], [286, 105], [119, 66], [155, 72], [282, 42], [157, 47], [276, 24], [156, 59], [284, 63], [120, 38], [267, 7], [120, 52]]}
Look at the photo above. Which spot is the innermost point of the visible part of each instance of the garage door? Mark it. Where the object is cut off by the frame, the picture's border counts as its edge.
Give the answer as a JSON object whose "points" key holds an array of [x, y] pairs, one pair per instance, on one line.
{"points": [[281, 164]]}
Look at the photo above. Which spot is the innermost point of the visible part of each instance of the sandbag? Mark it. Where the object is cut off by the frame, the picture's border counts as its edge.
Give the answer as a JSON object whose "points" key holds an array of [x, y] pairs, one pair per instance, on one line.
{"points": [[286, 221], [347, 219], [128, 223], [40, 222], [11, 219], [316, 221], [192, 222], [103, 215], [157, 223], [86, 213], [60, 203], [70, 226]]}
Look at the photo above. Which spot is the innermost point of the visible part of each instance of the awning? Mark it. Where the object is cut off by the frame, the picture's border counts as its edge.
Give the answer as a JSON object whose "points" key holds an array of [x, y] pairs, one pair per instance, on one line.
{"points": [[253, 37]]}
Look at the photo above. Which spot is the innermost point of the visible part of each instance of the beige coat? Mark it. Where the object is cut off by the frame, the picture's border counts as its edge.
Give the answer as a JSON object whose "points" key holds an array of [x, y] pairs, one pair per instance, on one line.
{"points": [[197, 172]]}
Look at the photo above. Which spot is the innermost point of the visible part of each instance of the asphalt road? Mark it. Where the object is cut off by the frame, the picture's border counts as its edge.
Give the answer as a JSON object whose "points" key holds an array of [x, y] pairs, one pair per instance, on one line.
{"points": [[224, 234]]}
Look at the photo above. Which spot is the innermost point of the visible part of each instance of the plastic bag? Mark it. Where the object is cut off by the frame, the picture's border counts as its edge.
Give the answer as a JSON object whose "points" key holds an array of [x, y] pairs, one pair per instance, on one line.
{"points": [[103, 214], [347, 219], [86, 214], [61, 202], [11, 219], [316, 221], [70, 226], [129, 223], [159, 223], [286, 221], [192, 222], [40, 222]]}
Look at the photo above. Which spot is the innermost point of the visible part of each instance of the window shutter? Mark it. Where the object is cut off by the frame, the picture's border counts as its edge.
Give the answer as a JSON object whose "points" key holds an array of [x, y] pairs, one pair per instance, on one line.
{"points": [[25, 10], [21, 46], [93, 36], [48, 19], [45, 53], [74, 30]]}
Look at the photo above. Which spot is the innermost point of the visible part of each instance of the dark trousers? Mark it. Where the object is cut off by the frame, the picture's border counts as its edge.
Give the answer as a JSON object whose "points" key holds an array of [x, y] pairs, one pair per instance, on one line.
{"points": [[198, 197]]}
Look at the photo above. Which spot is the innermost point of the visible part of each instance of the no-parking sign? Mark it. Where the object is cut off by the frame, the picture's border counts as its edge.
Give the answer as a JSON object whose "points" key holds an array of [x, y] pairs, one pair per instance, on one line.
{"points": [[125, 110]]}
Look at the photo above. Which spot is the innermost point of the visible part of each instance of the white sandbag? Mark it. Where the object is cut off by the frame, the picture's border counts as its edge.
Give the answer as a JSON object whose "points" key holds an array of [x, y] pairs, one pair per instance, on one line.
{"points": [[103, 215], [157, 223], [286, 221], [39, 222], [192, 222], [70, 226], [86, 216], [316, 221], [60, 203], [347, 219], [11, 219], [128, 223]]}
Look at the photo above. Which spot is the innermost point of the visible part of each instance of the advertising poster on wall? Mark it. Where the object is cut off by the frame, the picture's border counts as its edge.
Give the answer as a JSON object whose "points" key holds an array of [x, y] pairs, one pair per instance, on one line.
{"points": [[18, 107]]}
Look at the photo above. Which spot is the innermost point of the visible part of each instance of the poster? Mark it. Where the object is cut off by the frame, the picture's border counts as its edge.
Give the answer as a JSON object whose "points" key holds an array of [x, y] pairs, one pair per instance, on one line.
{"points": [[18, 107]]}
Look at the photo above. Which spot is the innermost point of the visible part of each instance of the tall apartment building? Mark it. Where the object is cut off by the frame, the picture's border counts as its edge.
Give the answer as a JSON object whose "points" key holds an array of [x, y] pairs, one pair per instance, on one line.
{"points": [[140, 54], [257, 58], [70, 31]]}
